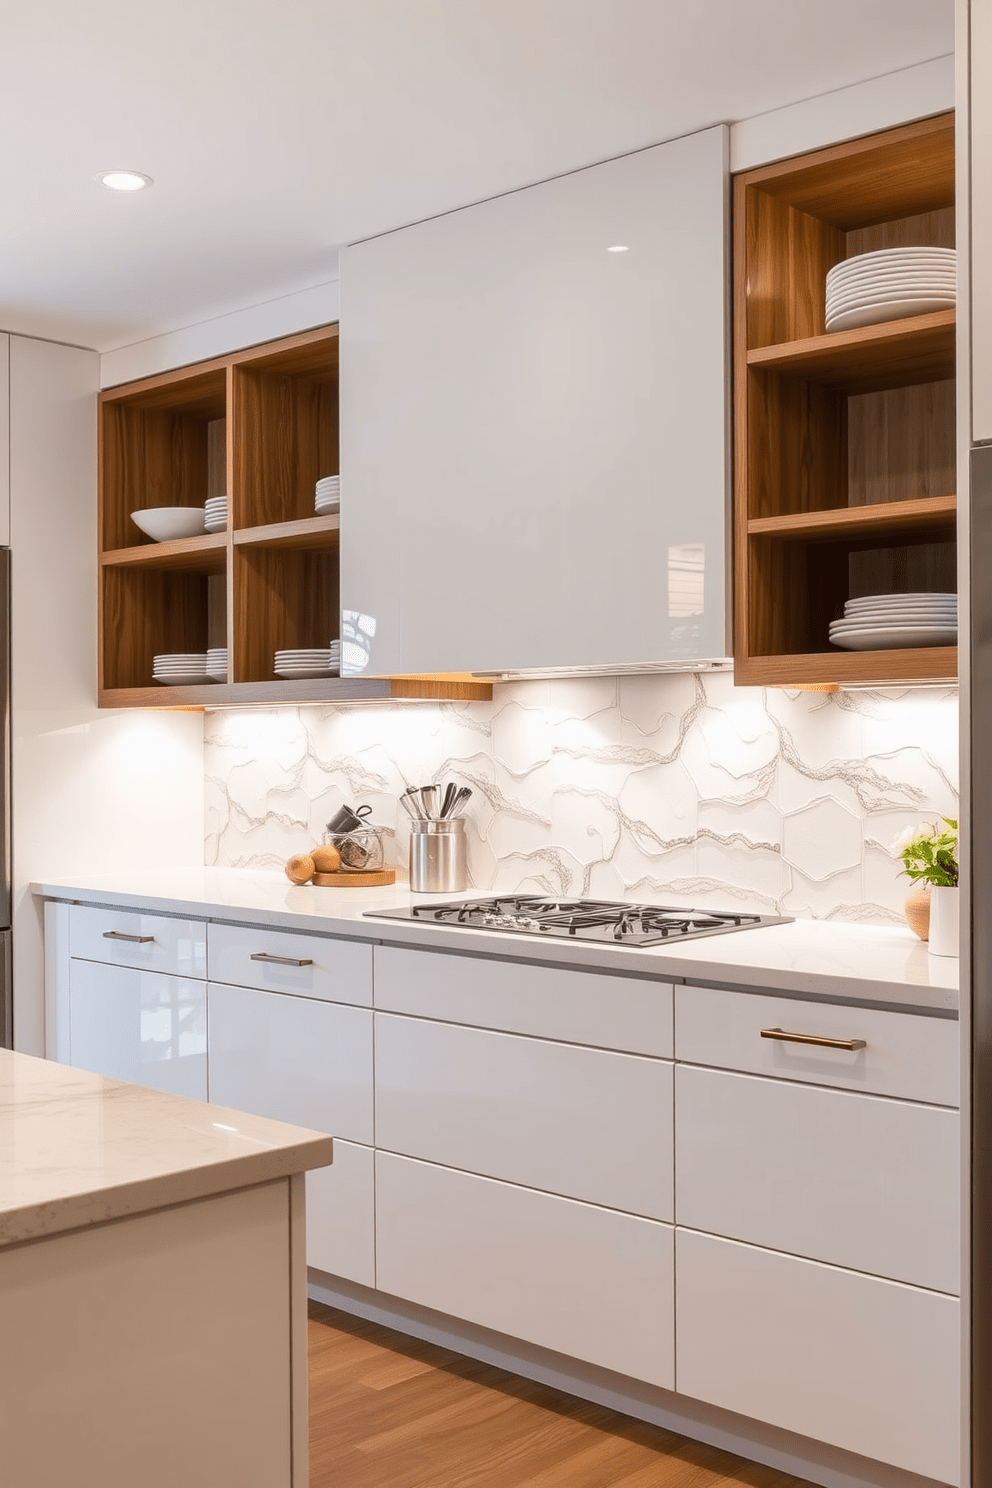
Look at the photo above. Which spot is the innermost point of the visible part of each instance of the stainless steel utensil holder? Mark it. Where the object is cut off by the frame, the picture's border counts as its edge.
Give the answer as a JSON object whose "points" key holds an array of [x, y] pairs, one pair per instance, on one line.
{"points": [[437, 856]]}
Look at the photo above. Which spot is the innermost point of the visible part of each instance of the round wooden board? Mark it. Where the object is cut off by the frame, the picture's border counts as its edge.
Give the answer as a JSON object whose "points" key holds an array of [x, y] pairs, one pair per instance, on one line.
{"points": [[355, 880]]}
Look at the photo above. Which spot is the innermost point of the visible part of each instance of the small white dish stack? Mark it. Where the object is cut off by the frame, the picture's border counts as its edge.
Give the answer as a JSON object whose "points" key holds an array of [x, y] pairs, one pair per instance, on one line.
{"points": [[890, 284], [885, 622], [215, 514], [180, 668], [327, 495], [319, 661], [217, 664]]}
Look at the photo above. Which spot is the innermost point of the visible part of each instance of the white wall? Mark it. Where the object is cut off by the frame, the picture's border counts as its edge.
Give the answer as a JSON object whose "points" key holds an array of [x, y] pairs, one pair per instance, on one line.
{"points": [[91, 789]]}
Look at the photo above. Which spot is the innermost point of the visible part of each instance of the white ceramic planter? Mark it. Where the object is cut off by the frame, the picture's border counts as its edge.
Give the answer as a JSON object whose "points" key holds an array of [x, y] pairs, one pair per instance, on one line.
{"points": [[944, 921]]}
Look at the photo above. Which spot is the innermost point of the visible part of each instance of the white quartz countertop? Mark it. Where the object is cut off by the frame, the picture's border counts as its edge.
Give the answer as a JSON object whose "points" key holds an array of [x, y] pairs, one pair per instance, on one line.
{"points": [[836, 961], [77, 1150]]}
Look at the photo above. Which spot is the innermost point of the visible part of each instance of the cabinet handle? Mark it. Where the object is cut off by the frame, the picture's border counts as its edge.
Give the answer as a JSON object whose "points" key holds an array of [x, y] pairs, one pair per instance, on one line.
{"points": [[280, 960], [134, 939], [812, 1038]]}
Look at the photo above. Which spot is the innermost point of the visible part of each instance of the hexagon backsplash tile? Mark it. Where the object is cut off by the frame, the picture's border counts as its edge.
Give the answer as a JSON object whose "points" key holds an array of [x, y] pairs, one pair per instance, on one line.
{"points": [[682, 788]]}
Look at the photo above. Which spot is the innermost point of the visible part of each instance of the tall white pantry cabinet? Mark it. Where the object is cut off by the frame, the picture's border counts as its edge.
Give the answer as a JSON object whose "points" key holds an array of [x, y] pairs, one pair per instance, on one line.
{"points": [[534, 425]]}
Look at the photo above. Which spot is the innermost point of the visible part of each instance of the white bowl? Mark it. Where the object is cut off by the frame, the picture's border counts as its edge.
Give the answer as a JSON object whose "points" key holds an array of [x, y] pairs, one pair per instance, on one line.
{"points": [[167, 523]]}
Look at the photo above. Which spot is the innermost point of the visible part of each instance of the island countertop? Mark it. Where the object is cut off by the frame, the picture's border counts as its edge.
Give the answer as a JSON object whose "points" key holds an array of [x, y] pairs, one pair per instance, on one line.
{"points": [[77, 1149]]}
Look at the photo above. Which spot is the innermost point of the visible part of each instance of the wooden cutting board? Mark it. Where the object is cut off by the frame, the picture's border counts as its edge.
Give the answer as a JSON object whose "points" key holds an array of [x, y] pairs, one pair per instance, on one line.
{"points": [[355, 880]]}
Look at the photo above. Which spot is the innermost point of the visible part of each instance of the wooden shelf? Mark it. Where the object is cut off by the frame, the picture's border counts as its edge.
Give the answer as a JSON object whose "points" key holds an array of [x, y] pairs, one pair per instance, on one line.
{"points": [[896, 353], [207, 554], [919, 664], [309, 532], [884, 519], [312, 690]]}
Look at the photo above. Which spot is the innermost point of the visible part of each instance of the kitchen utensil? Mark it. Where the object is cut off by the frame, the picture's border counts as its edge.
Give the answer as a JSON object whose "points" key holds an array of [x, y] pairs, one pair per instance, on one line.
{"points": [[461, 796], [347, 820], [450, 792], [438, 857], [409, 800], [430, 797]]}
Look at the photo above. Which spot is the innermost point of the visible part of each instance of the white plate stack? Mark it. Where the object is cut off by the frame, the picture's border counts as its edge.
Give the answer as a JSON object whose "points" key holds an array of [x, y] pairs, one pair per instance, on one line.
{"points": [[215, 514], [884, 622], [327, 495], [217, 664], [320, 661], [890, 284], [180, 668]]}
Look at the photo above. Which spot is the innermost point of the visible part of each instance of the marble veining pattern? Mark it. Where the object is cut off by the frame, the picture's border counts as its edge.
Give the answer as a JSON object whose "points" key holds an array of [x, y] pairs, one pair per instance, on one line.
{"points": [[681, 787]]}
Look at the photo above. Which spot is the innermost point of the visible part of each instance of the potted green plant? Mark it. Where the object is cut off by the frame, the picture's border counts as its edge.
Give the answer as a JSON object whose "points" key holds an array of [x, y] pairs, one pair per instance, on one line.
{"points": [[930, 853]]}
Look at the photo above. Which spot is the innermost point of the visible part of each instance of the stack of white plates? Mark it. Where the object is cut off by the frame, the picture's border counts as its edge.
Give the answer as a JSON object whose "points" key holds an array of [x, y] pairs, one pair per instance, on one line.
{"points": [[327, 496], [882, 622], [180, 668], [320, 661], [217, 664], [215, 514], [890, 284]]}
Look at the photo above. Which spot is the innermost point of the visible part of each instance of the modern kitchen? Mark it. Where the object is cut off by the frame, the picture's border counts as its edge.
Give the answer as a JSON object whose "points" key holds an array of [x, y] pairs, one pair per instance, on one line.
{"points": [[498, 632]]}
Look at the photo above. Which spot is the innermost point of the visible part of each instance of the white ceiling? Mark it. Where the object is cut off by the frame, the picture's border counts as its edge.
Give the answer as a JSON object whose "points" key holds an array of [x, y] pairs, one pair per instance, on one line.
{"points": [[276, 131]]}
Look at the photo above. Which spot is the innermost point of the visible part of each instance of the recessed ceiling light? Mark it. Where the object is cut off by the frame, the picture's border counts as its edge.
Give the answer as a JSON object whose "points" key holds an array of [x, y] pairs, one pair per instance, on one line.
{"points": [[124, 180], [618, 248]]}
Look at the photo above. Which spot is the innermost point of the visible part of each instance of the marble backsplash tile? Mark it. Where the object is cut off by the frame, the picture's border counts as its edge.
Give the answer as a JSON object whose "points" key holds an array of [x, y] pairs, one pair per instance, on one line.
{"points": [[681, 788]]}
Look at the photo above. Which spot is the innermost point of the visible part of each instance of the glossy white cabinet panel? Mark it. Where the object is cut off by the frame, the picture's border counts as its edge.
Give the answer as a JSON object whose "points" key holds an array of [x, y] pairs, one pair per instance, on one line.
{"points": [[292, 1058], [905, 1055], [533, 427], [586, 1123], [608, 1012], [869, 1365], [283, 961], [140, 1026], [341, 1214], [585, 1281], [856, 1180], [123, 937]]}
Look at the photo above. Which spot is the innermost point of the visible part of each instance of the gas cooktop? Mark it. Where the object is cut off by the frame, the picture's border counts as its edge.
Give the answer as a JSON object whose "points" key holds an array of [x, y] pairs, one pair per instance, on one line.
{"points": [[582, 919]]}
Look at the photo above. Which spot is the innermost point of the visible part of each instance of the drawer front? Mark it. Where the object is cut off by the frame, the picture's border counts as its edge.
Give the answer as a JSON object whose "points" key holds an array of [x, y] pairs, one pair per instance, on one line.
{"points": [[283, 961], [292, 1058], [139, 1026], [586, 1123], [607, 1012], [856, 1180], [341, 1215], [588, 1282], [126, 937], [904, 1055], [868, 1365]]}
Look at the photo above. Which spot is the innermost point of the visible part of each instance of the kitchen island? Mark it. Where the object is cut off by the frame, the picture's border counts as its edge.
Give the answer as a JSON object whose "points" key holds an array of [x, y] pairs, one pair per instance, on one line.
{"points": [[152, 1286]]}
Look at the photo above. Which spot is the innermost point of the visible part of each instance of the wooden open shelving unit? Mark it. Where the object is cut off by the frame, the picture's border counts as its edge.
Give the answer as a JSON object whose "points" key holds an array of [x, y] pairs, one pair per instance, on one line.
{"points": [[260, 426], [844, 443]]}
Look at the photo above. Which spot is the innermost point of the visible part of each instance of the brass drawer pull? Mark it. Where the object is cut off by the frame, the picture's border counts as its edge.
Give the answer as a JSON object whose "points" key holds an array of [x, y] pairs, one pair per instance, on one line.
{"points": [[280, 960], [134, 939], [812, 1038]]}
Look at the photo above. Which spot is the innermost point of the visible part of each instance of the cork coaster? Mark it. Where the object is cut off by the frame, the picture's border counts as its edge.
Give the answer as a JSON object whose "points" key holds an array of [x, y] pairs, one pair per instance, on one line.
{"points": [[355, 880]]}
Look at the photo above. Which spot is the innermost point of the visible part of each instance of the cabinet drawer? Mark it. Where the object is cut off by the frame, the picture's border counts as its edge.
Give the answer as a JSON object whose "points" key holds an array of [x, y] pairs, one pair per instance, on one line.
{"points": [[869, 1365], [139, 1026], [284, 961], [581, 1007], [292, 1058], [586, 1123], [341, 1215], [904, 1054], [856, 1180], [585, 1281], [126, 937]]}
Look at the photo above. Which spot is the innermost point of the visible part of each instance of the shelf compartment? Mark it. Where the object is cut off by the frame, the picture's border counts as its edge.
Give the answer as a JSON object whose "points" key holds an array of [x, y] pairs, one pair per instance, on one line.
{"points": [[893, 354], [207, 554], [309, 532], [283, 597], [285, 411], [149, 611], [930, 518]]}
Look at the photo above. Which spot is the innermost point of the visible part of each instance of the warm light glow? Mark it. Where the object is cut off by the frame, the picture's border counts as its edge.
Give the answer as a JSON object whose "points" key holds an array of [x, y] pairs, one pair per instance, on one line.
{"points": [[618, 248], [124, 180]]}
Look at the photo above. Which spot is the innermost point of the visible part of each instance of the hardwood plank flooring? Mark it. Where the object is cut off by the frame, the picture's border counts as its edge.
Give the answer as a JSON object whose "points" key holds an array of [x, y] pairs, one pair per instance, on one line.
{"points": [[388, 1411]]}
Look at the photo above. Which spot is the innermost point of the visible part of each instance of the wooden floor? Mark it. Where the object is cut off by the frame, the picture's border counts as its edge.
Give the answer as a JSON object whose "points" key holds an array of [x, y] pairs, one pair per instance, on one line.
{"points": [[387, 1411]]}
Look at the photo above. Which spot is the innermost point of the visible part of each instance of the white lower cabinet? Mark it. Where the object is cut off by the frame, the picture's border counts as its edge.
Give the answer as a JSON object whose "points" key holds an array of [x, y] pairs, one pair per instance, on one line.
{"points": [[569, 1276], [141, 1026], [309, 1062], [865, 1364], [585, 1123]]}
